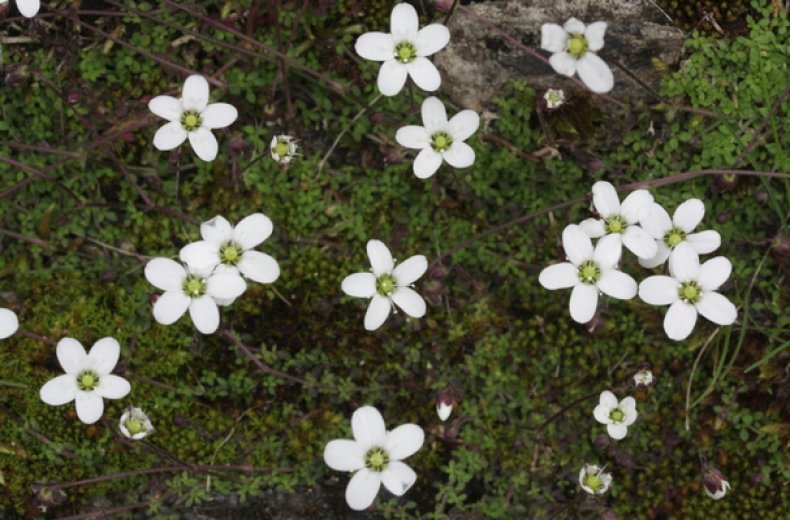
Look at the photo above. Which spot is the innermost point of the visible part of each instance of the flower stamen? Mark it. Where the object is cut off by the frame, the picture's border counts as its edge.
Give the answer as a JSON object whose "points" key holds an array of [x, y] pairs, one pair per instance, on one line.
{"points": [[191, 120], [405, 52], [674, 237], [589, 272], [385, 285], [616, 224], [230, 253], [194, 286], [690, 292], [376, 459], [87, 380], [577, 45], [441, 141]]}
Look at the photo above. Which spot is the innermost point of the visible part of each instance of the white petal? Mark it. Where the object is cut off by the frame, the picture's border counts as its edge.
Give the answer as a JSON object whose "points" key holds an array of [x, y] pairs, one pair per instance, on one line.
{"points": [[204, 314], [90, 407], [194, 94], [404, 441], [219, 115], [574, 26], [601, 413], [71, 356], [628, 407], [9, 323], [617, 431], [431, 39], [608, 251], [60, 390], [217, 230], [684, 263], [617, 284], [595, 73], [704, 242], [410, 270], [593, 227], [113, 387], [605, 199], [170, 136], [376, 46], [689, 214], [717, 308], [170, 306], [714, 272], [659, 290], [104, 355], [28, 8], [377, 312], [404, 22], [359, 285], [424, 74], [398, 478], [584, 301], [460, 155], [165, 274], [392, 77], [680, 320], [633, 204], [363, 486], [167, 107], [662, 253], [655, 220], [409, 301], [368, 427], [200, 255], [380, 257], [594, 34], [252, 230], [413, 136], [553, 38], [259, 267], [225, 286], [463, 124], [563, 63], [434, 115], [639, 242], [577, 244], [344, 455], [559, 276], [204, 144], [426, 163]]}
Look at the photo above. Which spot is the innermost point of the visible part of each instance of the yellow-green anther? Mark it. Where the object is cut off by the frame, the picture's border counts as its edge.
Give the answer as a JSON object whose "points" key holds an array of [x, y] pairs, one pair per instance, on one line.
{"points": [[405, 52], [577, 45], [191, 120], [385, 285]]}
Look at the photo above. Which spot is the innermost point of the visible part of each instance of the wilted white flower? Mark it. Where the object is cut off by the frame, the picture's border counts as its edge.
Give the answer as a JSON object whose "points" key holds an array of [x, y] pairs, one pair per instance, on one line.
{"points": [[191, 117], [28, 8], [403, 51], [554, 98], [643, 378], [574, 46], [9, 323], [283, 148], [714, 484], [690, 290], [87, 380], [588, 271], [617, 416], [439, 139], [669, 233], [387, 285], [594, 480], [375, 456], [135, 424]]}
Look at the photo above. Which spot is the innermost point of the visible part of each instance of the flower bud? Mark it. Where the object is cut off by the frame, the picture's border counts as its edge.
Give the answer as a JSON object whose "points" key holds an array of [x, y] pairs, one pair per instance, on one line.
{"points": [[444, 5], [444, 405], [715, 485], [135, 424], [643, 378], [553, 98], [780, 248], [283, 148]]}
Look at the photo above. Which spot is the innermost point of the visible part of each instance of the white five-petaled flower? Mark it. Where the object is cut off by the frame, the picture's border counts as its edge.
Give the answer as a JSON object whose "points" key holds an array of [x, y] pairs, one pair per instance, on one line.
{"points": [[387, 285], [375, 456], [404, 51], [588, 271], [191, 117], [28, 8], [197, 291], [9, 323], [231, 250], [690, 290], [574, 46], [617, 416], [283, 148], [669, 233], [135, 424], [554, 98], [87, 380], [621, 220], [594, 480], [439, 139]]}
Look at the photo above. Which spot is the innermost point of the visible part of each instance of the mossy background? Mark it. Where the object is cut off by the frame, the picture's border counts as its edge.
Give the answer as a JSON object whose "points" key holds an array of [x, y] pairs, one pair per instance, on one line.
{"points": [[508, 348]]}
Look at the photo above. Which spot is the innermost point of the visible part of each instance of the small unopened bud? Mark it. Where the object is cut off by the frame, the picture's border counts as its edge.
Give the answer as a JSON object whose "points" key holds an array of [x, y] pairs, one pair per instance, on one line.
{"points": [[444, 405], [135, 424], [444, 5], [237, 145], [643, 378], [609, 515], [780, 248], [283, 148], [47, 497], [722, 183], [553, 98], [601, 441], [16, 75], [713, 482], [73, 97]]}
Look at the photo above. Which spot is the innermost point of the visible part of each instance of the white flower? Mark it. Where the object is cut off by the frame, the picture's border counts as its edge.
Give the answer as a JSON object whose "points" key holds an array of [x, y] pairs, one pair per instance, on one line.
{"points": [[28, 8], [574, 46], [403, 51], [375, 456], [87, 379], [619, 220], [554, 98], [190, 289], [714, 484], [135, 424], [669, 233], [8, 323], [643, 378], [617, 416], [191, 117], [691, 289], [593, 480], [283, 148], [231, 250], [439, 139], [387, 285], [588, 271]]}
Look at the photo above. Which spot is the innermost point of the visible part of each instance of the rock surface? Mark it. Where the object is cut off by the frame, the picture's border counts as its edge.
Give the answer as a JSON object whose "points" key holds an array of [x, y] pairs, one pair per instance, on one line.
{"points": [[478, 63]]}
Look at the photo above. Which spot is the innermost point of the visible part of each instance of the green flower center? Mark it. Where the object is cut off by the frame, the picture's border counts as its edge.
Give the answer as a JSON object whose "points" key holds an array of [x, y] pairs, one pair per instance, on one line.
{"points": [[577, 45], [282, 148], [589, 272], [690, 292], [194, 286], [616, 224], [88, 380], [555, 97], [405, 52], [230, 253], [674, 237], [377, 459], [593, 482], [617, 415], [441, 141], [191, 120], [385, 285], [134, 425]]}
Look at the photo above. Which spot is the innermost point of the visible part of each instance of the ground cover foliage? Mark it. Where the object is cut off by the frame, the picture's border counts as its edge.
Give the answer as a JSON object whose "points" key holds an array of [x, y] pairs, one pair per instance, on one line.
{"points": [[85, 199]]}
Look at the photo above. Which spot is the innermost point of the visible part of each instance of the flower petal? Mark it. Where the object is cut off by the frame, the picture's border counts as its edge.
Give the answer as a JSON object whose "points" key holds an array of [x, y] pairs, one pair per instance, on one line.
{"points": [[601, 413], [9, 323], [426, 163], [680, 320], [90, 407], [219, 115], [225, 286], [204, 144], [553, 38], [559, 276], [170, 136], [659, 290], [404, 441], [165, 274], [377, 313], [217, 230], [662, 253], [431, 39], [71, 356], [380, 257], [113, 387], [259, 267], [617, 284], [684, 263], [170, 306], [595, 73], [392, 77], [104, 355], [608, 399], [363, 486], [717, 308], [413, 136], [434, 115], [344, 455], [577, 244], [60, 390], [404, 22], [584, 302], [409, 301], [628, 407], [605, 199], [594, 34], [463, 124], [194, 94], [359, 285], [617, 431], [166, 107], [574, 26], [714, 272], [376, 46], [200, 255], [689, 214], [28, 8], [424, 74], [563, 63], [205, 314], [398, 478], [368, 427], [704, 242], [633, 204], [593, 227], [655, 220], [460, 155], [639, 242], [608, 251], [252, 230], [410, 270]]}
